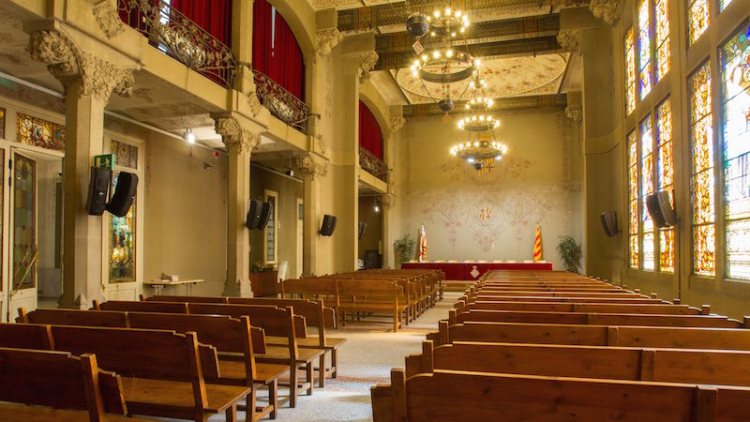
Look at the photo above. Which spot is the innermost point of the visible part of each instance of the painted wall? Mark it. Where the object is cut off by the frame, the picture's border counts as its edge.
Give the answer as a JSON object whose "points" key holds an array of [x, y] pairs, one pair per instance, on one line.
{"points": [[373, 236], [493, 215]]}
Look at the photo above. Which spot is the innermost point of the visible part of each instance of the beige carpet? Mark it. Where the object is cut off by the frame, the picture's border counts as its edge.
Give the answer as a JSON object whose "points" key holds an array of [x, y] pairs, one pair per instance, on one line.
{"points": [[365, 360]]}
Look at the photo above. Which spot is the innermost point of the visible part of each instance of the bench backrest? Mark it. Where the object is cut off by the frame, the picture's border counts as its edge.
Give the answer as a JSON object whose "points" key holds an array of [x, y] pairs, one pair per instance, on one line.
{"points": [[145, 306], [455, 395], [274, 321], [183, 299], [627, 308], [372, 289], [309, 286], [59, 380], [531, 298], [718, 367], [26, 336], [114, 319]]}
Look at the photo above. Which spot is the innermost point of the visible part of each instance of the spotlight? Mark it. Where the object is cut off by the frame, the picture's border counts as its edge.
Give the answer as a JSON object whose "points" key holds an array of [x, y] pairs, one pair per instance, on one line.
{"points": [[189, 136], [289, 172]]}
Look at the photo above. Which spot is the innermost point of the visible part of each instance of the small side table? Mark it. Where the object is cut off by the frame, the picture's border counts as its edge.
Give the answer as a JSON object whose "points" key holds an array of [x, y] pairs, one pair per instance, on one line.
{"points": [[159, 285]]}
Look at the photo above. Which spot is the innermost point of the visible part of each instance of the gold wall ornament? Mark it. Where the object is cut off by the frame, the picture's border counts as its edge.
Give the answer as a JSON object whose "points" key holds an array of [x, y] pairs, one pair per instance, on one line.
{"points": [[312, 165], [68, 63], [388, 201], [326, 40], [108, 18], [606, 10], [570, 40], [396, 124], [367, 62], [234, 136]]}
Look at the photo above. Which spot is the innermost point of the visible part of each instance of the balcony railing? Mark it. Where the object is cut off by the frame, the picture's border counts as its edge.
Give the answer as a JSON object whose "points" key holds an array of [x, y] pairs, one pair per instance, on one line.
{"points": [[372, 164], [282, 104], [178, 36]]}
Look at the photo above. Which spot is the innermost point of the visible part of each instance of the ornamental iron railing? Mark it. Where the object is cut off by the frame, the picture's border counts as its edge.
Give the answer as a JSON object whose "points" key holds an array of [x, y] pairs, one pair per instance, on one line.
{"points": [[372, 164], [175, 34], [281, 103]]}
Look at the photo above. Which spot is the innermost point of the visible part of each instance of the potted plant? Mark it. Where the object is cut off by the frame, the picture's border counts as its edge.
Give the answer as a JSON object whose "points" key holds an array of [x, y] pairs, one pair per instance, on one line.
{"points": [[570, 252], [405, 248]]}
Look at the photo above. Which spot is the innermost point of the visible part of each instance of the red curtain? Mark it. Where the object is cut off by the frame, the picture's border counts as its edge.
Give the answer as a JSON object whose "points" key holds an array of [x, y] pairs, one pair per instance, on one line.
{"points": [[370, 137], [214, 16], [279, 58]]}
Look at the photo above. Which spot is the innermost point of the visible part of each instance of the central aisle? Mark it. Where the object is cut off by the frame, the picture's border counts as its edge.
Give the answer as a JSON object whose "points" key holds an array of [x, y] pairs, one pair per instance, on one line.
{"points": [[365, 359]]}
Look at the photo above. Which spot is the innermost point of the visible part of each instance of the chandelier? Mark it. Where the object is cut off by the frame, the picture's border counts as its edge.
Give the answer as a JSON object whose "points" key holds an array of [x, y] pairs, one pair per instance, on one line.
{"points": [[480, 154]]}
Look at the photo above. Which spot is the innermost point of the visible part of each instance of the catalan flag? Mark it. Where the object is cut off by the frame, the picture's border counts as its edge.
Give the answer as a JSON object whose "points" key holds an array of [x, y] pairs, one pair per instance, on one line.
{"points": [[422, 244], [538, 244]]}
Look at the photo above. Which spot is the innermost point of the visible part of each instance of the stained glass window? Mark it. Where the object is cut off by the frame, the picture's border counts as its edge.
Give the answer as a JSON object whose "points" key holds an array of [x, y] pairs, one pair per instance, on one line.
{"points": [[630, 71], [40, 133], [735, 132], [270, 233], [644, 48], [122, 244], [2, 123], [647, 187], [698, 19], [634, 225], [702, 178], [723, 4], [126, 155], [24, 222], [661, 16], [665, 179]]}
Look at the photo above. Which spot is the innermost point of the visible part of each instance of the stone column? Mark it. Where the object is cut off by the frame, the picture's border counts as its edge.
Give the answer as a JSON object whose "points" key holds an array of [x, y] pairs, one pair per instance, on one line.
{"points": [[239, 143], [88, 80], [312, 167]]}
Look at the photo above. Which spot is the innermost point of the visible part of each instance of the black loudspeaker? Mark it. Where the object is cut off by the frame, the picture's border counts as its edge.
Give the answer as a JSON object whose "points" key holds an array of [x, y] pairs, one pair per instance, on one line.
{"points": [[124, 194], [609, 223], [99, 183], [329, 225], [660, 208], [254, 208], [362, 229], [265, 214]]}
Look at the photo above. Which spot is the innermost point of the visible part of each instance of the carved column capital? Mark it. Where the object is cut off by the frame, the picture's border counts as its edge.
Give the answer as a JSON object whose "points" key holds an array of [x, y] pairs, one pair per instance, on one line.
{"points": [[234, 136], [574, 112], [396, 124], [606, 10], [312, 165], [367, 61], [68, 63], [388, 201], [108, 18], [570, 40], [326, 39]]}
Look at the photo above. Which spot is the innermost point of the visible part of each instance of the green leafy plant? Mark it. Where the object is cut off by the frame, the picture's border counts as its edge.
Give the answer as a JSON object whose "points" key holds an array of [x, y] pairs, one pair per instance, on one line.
{"points": [[570, 252], [405, 248], [257, 267]]}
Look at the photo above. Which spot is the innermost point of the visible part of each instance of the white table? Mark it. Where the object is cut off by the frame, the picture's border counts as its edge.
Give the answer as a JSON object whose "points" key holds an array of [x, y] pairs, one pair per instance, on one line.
{"points": [[159, 285]]}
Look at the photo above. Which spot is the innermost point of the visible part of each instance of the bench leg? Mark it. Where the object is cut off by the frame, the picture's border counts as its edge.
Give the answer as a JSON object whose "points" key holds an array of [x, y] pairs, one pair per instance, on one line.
{"points": [[293, 385], [310, 377], [232, 413], [322, 372], [396, 317], [334, 364], [273, 398], [250, 406]]}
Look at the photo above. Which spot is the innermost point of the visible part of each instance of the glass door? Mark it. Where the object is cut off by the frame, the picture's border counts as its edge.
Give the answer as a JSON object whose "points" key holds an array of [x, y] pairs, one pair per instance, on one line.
{"points": [[24, 250]]}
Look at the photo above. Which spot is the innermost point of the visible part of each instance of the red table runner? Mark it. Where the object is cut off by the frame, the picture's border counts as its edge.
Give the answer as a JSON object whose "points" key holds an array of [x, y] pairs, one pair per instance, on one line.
{"points": [[473, 270]]}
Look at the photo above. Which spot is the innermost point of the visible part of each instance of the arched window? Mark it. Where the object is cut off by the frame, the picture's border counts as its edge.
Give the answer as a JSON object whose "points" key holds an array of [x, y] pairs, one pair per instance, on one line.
{"points": [[276, 52], [370, 137]]}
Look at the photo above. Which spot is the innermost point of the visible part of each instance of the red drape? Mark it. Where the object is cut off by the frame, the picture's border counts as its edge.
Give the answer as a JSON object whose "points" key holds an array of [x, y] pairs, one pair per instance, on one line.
{"points": [[214, 16], [279, 58], [370, 137]]}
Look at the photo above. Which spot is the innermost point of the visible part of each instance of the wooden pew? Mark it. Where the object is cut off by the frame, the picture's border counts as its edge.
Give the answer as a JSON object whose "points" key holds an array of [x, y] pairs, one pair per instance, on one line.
{"points": [[373, 296], [174, 365], [23, 336], [136, 306], [715, 367], [456, 395], [69, 388], [595, 335], [73, 317], [628, 308], [481, 315], [531, 298], [236, 341]]}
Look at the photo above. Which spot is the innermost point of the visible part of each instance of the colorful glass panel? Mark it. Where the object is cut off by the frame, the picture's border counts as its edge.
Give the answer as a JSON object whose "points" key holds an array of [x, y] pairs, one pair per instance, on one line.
{"points": [[735, 132], [126, 155], [630, 71], [122, 244], [40, 133], [665, 179], [698, 19], [661, 16], [2, 123], [723, 4], [647, 187], [24, 223], [644, 48], [702, 180], [634, 221]]}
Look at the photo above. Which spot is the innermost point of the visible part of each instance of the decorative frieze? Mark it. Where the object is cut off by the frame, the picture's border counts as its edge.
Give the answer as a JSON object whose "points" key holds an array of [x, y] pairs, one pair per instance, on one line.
{"points": [[108, 19], [570, 40], [326, 39], [234, 136], [312, 165], [68, 63], [606, 10]]}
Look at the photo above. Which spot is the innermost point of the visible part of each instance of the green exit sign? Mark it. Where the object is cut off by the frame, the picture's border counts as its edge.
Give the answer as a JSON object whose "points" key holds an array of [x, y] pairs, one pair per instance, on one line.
{"points": [[106, 161]]}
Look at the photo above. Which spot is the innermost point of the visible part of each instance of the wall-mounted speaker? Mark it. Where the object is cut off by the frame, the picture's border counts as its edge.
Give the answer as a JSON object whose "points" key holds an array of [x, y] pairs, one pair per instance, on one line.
{"points": [[660, 208], [99, 183], [362, 229], [609, 223], [329, 225], [124, 195], [254, 208], [265, 214]]}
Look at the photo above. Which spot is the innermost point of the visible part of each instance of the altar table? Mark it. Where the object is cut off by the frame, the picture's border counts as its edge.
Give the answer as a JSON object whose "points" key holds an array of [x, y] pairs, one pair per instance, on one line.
{"points": [[473, 270]]}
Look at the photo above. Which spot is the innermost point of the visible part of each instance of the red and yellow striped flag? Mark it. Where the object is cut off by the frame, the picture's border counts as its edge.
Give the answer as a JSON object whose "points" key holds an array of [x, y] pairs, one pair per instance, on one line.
{"points": [[538, 244]]}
